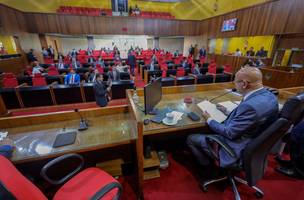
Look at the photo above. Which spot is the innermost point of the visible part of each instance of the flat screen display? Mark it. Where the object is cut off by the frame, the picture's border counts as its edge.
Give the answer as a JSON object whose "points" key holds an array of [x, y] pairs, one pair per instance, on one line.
{"points": [[229, 25], [152, 95]]}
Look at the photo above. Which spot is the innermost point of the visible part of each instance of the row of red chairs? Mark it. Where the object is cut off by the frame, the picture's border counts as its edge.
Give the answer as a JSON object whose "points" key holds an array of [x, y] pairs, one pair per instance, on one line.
{"points": [[151, 14], [84, 11], [10, 80]]}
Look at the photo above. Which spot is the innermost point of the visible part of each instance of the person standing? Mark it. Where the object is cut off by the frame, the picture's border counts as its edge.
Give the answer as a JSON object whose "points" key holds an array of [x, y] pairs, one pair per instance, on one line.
{"points": [[101, 91], [132, 62]]}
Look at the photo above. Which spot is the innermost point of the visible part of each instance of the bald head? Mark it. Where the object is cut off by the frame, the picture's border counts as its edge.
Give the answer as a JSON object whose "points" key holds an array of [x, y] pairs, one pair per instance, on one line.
{"points": [[250, 77]]}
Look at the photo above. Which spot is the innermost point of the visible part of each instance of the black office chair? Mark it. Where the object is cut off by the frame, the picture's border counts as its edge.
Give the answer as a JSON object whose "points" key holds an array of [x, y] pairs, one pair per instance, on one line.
{"points": [[254, 158]]}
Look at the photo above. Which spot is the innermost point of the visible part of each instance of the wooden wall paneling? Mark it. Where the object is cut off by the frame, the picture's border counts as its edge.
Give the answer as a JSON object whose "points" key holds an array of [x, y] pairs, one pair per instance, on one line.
{"points": [[52, 24], [84, 25], [9, 20], [291, 41], [295, 20]]}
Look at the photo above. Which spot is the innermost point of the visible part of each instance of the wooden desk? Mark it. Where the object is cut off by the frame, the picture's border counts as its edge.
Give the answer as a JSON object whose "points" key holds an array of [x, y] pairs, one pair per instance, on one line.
{"points": [[281, 79], [34, 135], [173, 97]]}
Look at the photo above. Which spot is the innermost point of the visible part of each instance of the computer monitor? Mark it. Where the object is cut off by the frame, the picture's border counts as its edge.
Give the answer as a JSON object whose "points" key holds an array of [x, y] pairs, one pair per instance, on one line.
{"points": [[152, 95]]}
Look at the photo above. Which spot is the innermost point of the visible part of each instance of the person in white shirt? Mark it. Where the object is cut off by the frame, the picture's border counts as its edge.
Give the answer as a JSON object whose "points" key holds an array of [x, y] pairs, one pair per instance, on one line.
{"points": [[238, 52], [37, 69]]}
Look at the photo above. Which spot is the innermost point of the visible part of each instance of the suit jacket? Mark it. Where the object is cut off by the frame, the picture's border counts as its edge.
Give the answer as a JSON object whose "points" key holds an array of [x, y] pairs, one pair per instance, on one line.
{"points": [[114, 76], [100, 94], [196, 71], [67, 80], [245, 122], [131, 60]]}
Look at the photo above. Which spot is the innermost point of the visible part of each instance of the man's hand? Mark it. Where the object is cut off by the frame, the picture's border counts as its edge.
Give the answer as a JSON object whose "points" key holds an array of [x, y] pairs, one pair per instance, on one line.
{"points": [[221, 108], [206, 115]]}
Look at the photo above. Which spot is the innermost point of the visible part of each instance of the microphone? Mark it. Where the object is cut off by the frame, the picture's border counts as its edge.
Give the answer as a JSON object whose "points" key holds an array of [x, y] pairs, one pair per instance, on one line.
{"points": [[82, 124], [232, 90]]}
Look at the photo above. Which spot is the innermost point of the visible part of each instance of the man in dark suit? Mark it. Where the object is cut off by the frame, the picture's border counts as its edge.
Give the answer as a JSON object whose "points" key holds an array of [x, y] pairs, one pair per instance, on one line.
{"points": [[257, 110], [250, 52], [132, 62], [261, 53], [101, 91]]}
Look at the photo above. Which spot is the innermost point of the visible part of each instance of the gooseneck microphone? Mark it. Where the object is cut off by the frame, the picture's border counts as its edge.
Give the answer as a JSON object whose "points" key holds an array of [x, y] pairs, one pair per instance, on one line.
{"points": [[232, 90], [82, 124]]}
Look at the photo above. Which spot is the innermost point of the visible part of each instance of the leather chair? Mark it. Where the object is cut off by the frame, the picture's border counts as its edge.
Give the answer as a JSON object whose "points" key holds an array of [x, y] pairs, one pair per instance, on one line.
{"points": [[167, 81], [25, 79], [66, 94], [52, 79], [119, 88], [219, 78], [204, 70], [254, 157], [10, 98], [52, 71], [204, 79], [36, 96], [91, 183], [185, 80], [88, 89]]}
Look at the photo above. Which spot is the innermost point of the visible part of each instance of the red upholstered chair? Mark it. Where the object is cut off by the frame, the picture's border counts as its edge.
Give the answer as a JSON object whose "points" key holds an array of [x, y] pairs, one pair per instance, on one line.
{"points": [[180, 72], [91, 183], [39, 80], [100, 69], [164, 73], [52, 71], [9, 80], [227, 68], [212, 68]]}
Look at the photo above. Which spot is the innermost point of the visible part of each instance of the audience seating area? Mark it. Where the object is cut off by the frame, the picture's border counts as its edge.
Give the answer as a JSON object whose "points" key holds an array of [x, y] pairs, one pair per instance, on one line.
{"points": [[23, 97], [84, 11], [108, 12]]}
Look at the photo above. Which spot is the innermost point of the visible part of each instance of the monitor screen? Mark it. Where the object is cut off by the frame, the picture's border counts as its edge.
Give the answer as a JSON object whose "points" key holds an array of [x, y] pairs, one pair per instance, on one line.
{"points": [[152, 94], [229, 25]]}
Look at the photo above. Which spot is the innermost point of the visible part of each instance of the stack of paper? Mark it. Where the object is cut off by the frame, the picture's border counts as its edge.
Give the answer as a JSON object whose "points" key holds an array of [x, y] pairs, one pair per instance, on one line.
{"points": [[229, 105], [217, 115], [3, 135]]}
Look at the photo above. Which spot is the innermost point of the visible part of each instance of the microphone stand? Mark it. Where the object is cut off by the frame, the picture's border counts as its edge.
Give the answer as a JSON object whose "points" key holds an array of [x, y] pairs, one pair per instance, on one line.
{"points": [[232, 90], [82, 124]]}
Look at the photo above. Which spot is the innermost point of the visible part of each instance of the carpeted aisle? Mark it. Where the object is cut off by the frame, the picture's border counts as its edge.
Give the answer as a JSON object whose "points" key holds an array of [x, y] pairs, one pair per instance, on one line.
{"points": [[178, 183]]}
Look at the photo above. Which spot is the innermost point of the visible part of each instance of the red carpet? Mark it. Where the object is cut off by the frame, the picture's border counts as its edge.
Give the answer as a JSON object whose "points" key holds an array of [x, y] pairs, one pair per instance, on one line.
{"points": [[178, 183]]}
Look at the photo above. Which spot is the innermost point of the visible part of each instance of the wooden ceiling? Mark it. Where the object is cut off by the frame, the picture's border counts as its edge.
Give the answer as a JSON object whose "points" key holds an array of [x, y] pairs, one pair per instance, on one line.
{"points": [[187, 9]]}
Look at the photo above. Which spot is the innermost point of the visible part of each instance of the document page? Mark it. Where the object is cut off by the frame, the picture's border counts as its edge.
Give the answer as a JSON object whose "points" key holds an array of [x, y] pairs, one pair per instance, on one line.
{"points": [[229, 105], [212, 110]]}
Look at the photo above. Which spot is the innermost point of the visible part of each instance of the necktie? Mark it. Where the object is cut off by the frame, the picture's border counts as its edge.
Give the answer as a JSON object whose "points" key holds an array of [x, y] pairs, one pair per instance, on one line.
{"points": [[72, 79]]}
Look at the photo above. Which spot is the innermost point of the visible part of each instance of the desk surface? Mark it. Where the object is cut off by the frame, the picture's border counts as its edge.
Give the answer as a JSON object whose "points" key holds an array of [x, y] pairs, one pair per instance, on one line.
{"points": [[35, 142], [176, 102]]}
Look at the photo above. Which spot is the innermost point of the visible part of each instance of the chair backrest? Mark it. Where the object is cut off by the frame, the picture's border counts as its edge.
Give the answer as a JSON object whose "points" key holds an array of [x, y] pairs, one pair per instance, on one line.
{"points": [[18, 186], [39, 80], [9, 80], [52, 71], [255, 154]]}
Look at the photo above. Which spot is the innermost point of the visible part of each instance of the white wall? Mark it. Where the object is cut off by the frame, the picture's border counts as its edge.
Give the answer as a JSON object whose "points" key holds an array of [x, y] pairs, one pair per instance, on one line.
{"points": [[73, 43], [172, 44], [31, 41], [201, 41]]}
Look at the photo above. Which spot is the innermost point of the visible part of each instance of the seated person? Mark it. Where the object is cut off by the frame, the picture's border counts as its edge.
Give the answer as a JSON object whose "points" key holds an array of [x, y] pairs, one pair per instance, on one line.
{"points": [[152, 65], [259, 63], [196, 70], [114, 74], [36, 68], [60, 65], [176, 53], [101, 91], [100, 62], [72, 78], [92, 76], [6, 147], [261, 53], [185, 63], [258, 109], [60, 57], [136, 10], [45, 53], [238, 52], [75, 63], [91, 60], [295, 166], [250, 52]]}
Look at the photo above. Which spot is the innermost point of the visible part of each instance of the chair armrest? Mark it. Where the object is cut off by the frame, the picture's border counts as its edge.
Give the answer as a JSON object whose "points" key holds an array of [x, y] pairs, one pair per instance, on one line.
{"points": [[50, 164], [22, 85], [109, 187], [54, 83], [194, 76], [210, 139]]}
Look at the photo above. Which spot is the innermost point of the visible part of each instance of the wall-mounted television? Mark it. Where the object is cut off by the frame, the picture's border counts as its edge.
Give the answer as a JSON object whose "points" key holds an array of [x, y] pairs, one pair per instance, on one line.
{"points": [[229, 25]]}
